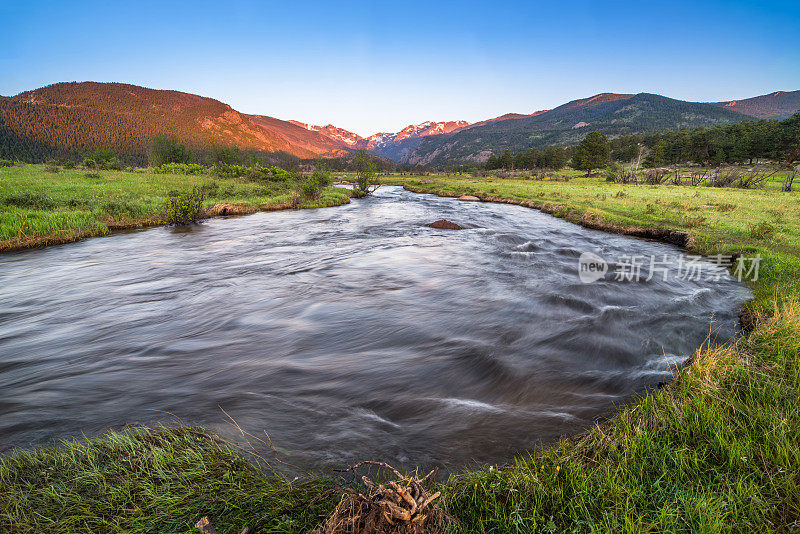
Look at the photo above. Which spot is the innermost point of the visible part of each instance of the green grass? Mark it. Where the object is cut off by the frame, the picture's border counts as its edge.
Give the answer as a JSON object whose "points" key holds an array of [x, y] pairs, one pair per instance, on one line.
{"points": [[717, 450], [38, 207], [148, 481]]}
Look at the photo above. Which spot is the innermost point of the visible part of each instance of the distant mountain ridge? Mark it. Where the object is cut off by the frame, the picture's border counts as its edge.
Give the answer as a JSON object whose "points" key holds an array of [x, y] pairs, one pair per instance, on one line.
{"points": [[79, 117], [506, 117], [444, 143], [777, 105], [612, 114], [390, 145]]}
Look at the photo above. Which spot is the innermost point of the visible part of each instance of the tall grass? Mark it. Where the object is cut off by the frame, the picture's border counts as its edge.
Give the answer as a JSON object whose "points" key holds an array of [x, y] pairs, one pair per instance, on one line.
{"points": [[147, 481]]}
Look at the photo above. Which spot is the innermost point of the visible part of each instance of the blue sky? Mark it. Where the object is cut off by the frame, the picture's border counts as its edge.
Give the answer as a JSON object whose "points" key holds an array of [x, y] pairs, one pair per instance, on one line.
{"points": [[378, 66]]}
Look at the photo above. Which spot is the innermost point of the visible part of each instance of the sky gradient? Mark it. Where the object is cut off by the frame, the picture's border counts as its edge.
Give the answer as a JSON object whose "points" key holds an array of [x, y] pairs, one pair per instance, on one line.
{"points": [[371, 67]]}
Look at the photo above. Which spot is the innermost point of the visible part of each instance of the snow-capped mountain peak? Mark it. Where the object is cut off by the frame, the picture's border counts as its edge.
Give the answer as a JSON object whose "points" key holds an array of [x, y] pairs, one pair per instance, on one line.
{"points": [[333, 132], [384, 139]]}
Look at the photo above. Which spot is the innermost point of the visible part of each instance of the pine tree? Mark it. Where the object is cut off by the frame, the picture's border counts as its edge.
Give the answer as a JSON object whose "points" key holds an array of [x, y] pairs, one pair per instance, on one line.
{"points": [[592, 153]]}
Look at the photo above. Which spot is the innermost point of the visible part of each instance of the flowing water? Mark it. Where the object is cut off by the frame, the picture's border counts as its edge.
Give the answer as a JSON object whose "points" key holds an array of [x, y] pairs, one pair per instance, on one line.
{"points": [[347, 333]]}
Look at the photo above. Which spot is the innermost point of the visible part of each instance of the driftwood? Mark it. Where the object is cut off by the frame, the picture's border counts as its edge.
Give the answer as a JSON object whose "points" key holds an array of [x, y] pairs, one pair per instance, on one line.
{"points": [[402, 506], [788, 182], [205, 526]]}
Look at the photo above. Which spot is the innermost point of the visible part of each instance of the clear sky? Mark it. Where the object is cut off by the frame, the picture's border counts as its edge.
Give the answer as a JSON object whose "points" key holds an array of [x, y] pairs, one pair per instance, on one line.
{"points": [[379, 66]]}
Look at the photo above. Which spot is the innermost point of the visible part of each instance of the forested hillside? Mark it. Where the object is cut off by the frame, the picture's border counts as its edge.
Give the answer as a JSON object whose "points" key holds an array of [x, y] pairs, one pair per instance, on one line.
{"points": [[611, 114], [745, 142], [75, 118], [777, 105]]}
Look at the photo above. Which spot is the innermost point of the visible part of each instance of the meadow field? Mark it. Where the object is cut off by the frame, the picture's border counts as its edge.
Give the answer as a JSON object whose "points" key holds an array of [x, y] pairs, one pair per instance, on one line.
{"points": [[716, 450], [40, 207]]}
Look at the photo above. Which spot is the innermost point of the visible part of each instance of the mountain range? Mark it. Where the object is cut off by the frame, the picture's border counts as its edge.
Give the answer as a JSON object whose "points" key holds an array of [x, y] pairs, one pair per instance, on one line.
{"points": [[79, 117], [777, 105]]}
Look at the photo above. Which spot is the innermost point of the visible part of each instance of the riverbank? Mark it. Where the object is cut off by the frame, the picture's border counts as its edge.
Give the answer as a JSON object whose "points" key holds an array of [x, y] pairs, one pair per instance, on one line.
{"points": [[715, 450], [40, 207]]}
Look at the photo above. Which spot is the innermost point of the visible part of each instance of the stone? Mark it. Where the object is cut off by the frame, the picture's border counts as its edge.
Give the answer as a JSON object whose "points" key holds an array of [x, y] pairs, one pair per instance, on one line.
{"points": [[444, 224]]}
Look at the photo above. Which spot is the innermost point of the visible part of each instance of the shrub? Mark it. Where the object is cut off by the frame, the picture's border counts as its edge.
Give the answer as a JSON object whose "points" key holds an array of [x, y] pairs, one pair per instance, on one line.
{"points": [[309, 189], [230, 171], [656, 176], [321, 176], [29, 200], [319, 180], [786, 186], [611, 172], [168, 150], [102, 159], [6, 163], [180, 168], [184, 208], [112, 163], [102, 154], [69, 164], [365, 174], [258, 173], [52, 166], [280, 174]]}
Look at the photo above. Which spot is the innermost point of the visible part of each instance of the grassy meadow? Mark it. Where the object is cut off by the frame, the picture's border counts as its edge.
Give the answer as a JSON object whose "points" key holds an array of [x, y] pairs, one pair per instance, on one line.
{"points": [[716, 450], [40, 207]]}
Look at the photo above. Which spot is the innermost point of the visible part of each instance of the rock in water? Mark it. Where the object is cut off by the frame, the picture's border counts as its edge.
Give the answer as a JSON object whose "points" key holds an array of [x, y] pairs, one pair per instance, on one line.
{"points": [[469, 198], [444, 224]]}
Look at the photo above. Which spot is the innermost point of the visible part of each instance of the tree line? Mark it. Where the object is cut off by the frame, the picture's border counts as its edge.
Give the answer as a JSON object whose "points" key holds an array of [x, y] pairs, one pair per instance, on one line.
{"points": [[746, 142], [552, 157]]}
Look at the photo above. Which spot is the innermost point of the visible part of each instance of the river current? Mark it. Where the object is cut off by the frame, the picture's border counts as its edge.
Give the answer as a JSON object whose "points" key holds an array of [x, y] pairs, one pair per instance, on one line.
{"points": [[348, 333]]}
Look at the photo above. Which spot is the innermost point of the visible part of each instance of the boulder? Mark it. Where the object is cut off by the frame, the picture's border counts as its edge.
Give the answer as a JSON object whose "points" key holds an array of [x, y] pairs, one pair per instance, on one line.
{"points": [[444, 224], [469, 198]]}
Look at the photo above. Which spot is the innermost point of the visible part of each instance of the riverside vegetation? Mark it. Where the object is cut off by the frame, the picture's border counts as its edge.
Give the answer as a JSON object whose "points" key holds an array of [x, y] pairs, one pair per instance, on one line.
{"points": [[715, 450], [51, 204]]}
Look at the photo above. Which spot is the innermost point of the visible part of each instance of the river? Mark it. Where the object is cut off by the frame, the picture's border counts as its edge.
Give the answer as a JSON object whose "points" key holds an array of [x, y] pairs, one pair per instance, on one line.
{"points": [[347, 333]]}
